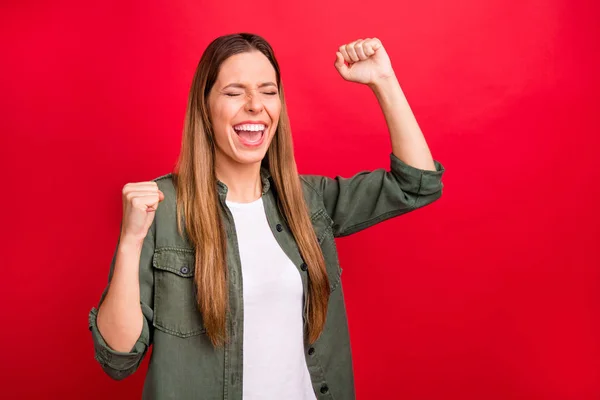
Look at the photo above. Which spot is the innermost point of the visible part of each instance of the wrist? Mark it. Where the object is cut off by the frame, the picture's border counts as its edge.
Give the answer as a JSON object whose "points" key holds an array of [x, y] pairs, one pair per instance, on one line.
{"points": [[384, 83], [128, 243]]}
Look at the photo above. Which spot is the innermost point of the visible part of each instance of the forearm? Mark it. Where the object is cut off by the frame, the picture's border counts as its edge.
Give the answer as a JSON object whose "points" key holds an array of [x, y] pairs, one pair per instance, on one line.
{"points": [[408, 142], [120, 319]]}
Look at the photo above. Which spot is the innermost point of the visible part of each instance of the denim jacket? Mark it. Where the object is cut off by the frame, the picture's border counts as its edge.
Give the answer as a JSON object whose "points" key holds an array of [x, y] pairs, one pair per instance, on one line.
{"points": [[184, 364]]}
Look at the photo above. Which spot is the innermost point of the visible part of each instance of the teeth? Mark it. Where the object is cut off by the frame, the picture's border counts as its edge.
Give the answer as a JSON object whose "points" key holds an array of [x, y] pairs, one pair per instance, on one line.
{"points": [[249, 127]]}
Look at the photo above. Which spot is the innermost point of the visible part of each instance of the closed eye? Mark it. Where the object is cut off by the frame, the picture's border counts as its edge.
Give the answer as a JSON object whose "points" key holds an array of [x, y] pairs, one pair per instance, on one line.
{"points": [[239, 94]]}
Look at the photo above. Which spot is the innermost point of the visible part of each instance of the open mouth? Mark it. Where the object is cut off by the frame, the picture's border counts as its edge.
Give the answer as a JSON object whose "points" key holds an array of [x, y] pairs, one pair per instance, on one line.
{"points": [[250, 134]]}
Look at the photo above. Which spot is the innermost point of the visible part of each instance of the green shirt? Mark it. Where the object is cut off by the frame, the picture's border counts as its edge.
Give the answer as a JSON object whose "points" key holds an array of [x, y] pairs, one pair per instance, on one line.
{"points": [[184, 364]]}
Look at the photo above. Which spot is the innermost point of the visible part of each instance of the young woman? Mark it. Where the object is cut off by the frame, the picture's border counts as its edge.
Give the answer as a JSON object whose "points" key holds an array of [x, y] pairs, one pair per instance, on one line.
{"points": [[234, 279]]}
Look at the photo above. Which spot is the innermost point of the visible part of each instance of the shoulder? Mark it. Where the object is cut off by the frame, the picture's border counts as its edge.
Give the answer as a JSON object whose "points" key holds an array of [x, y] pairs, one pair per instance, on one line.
{"points": [[165, 182], [311, 187], [311, 183]]}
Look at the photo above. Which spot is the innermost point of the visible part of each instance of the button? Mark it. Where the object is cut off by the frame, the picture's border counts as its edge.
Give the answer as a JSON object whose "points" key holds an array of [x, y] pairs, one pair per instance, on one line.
{"points": [[184, 270], [303, 267], [311, 351], [279, 228], [324, 389]]}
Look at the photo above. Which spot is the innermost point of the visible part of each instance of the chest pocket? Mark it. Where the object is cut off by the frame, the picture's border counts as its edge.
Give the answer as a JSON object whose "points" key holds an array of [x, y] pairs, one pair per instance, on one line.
{"points": [[175, 307], [323, 226]]}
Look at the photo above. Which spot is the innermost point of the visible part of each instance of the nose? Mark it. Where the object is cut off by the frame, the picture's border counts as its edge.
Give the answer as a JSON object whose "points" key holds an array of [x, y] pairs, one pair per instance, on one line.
{"points": [[253, 103]]}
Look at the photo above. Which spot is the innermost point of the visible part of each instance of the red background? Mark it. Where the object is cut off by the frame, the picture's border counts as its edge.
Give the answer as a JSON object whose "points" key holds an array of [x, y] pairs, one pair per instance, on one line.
{"points": [[490, 293]]}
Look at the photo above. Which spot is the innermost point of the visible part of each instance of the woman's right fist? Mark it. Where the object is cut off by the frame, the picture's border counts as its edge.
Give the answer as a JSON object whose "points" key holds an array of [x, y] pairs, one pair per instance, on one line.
{"points": [[140, 201]]}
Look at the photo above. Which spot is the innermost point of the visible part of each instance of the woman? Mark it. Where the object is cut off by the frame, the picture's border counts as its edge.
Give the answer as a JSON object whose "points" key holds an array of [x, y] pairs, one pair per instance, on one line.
{"points": [[234, 279]]}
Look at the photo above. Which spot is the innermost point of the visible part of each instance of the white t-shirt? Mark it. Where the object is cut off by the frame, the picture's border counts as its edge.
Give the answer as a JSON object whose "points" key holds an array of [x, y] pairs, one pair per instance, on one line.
{"points": [[274, 361]]}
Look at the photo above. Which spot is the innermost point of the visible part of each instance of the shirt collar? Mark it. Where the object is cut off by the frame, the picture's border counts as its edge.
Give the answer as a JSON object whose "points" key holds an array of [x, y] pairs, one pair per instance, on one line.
{"points": [[265, 177]]}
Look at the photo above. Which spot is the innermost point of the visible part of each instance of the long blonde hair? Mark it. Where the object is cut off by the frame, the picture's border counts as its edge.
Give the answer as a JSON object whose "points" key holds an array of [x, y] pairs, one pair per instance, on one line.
{"points": [[198, 202]]}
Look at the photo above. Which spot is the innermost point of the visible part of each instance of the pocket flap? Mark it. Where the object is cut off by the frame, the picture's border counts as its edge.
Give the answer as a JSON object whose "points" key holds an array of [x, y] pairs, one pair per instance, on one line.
{"points": [[178, 261]]}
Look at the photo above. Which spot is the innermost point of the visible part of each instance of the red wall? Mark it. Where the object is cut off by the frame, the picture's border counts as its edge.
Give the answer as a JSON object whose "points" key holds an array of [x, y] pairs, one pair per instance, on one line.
{"points": [[490, 293]]}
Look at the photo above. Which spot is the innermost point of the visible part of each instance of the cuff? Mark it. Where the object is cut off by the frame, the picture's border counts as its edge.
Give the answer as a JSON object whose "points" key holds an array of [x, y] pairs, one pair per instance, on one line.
{"points": [[415, 180], [116, 360]]}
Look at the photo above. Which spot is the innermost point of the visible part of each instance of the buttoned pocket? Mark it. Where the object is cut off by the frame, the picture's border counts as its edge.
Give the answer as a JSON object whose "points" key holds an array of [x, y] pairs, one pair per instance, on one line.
{"points": [[323, 226], [175, 306]]}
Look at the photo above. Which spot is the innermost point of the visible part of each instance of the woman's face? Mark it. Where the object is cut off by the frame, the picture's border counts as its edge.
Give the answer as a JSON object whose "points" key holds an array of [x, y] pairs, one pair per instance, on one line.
{"points": [[244, 108]]}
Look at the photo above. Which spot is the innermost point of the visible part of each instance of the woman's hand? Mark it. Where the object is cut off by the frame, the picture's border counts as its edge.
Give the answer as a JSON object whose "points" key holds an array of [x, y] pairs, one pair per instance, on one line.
{"points": [[367, 60], [140, 201]]}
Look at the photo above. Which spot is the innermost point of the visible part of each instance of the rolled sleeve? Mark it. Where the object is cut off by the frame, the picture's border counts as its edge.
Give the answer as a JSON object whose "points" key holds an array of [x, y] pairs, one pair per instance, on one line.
{"points": [[116, 364], [370, 197], [419, 182]]}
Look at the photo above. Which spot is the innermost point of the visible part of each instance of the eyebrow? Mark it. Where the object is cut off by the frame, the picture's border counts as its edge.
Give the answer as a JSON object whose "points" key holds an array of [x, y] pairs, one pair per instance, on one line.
{"points": [[241, 86]]}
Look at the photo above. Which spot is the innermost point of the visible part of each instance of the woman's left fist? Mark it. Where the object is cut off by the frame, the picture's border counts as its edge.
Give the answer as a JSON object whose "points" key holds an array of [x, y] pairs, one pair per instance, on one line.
{"points": [[367, 60]]}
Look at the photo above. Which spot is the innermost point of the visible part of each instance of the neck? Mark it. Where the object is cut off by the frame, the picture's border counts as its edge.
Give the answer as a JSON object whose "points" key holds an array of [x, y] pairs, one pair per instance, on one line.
{"points": [[243, 181]]}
